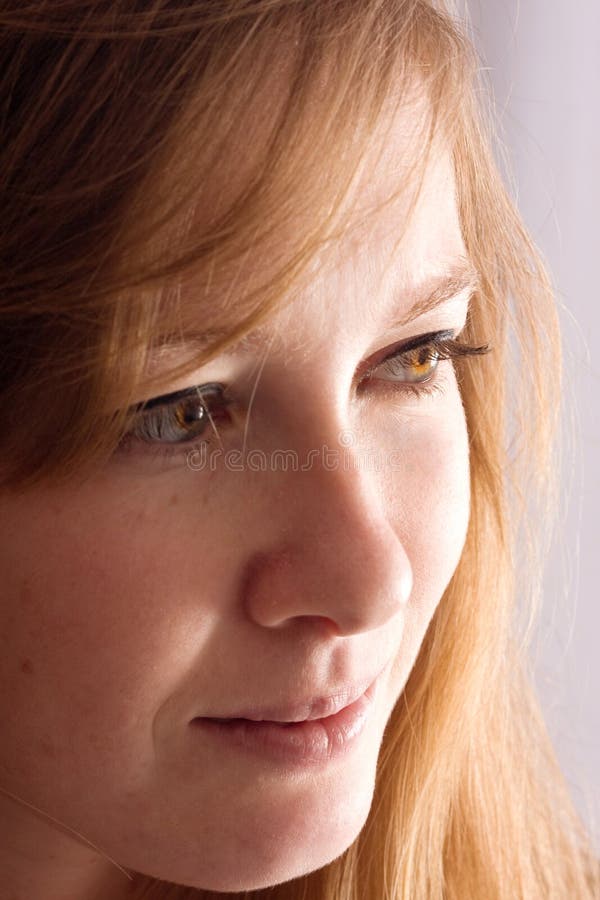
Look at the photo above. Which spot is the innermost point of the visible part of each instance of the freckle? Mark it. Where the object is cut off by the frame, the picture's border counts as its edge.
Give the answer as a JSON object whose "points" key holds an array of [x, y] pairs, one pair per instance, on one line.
{"points": [[27, 666], [48, 748], [174, 500], [25, 593]]}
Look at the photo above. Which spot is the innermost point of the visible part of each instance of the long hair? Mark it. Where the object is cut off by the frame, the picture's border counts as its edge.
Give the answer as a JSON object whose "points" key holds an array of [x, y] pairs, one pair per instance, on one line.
{"points": [[114, 117]]}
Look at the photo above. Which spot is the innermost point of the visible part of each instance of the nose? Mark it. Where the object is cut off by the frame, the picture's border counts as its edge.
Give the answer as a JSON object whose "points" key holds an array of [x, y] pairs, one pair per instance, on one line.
{"points": [[340, 559]]}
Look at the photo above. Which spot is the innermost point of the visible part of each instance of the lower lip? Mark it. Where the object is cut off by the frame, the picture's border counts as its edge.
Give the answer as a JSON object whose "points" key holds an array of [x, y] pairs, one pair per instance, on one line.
{"points": [[315, 741]]}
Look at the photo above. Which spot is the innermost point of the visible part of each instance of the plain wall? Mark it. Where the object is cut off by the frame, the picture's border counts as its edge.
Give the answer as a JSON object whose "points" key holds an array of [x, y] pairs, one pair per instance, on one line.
{"points": [[544, 61]]}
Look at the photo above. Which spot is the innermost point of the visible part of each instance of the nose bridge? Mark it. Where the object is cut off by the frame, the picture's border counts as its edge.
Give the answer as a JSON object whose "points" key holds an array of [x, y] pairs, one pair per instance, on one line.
{"points": [[332, 492], [335, 554]]}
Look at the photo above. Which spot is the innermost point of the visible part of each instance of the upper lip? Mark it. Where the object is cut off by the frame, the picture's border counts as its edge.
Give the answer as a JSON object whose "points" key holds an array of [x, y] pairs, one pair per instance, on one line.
{"points": [[315, 707]]}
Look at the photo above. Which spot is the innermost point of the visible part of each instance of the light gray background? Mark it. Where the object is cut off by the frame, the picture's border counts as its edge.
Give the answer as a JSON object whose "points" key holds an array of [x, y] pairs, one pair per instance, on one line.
{"points": [[544, 65]]}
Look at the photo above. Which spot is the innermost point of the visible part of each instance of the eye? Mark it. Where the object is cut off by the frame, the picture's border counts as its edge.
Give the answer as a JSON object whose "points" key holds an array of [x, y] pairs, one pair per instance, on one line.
{"points": [[169, 424], [178, 418], [415, 362], [413, 366]]}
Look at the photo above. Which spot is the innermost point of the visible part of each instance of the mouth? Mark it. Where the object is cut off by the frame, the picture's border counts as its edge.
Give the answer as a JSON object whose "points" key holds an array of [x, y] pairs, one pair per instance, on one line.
{"points": [[314, 732], [303, 711]]}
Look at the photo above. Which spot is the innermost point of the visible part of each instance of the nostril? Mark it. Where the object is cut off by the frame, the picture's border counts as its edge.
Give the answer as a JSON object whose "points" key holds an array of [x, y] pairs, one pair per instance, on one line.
{"points": [[326, 626]]}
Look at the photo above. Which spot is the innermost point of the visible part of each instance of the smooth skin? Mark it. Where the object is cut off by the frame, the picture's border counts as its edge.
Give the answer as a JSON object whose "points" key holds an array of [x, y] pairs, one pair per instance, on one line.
{"points": [[154, 592]]}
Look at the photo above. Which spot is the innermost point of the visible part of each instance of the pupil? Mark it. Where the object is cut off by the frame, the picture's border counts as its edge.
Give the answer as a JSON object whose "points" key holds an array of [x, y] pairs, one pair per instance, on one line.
{"points": [[190, 412]]}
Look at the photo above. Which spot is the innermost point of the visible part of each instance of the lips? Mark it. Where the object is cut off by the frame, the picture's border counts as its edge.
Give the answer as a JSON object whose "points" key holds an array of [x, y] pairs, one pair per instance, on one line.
{"points": [[316, 731], [300, 711]]}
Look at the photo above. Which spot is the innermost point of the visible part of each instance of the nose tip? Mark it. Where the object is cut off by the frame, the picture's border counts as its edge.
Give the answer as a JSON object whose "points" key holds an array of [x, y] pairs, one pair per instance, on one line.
{"points": [[342, 562]]}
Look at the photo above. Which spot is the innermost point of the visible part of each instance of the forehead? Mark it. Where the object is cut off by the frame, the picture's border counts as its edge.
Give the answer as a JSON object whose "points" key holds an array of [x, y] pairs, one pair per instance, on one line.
{"points": [[381, 274], [397, 226], [393, 258]]}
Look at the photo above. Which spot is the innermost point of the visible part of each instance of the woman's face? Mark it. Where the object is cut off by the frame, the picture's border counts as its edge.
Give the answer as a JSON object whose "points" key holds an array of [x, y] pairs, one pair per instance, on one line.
{"points": [[288, 585]]}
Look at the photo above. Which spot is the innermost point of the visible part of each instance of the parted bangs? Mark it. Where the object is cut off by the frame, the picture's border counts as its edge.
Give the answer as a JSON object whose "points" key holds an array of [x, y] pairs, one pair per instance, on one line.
{"points": [[181, 175]]}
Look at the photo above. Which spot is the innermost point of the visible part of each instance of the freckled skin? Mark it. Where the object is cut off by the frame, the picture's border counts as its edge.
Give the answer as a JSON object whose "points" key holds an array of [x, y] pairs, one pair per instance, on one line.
{"points": [[156, 594]]}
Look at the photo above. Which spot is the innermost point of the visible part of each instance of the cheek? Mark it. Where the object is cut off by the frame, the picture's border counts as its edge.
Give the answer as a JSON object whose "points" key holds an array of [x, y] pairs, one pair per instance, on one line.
{"points": [[437, 508], [428, 495], [88, 645]]}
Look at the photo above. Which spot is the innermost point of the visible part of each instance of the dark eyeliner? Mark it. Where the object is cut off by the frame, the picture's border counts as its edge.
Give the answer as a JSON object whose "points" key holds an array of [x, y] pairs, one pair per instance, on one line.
{"points": [[432, 337], [442, 342], [168, 399]]}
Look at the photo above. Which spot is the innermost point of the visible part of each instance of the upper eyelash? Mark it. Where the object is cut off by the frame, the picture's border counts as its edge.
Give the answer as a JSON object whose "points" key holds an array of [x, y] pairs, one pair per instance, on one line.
{"points": [[168, 399], [444, 345]]}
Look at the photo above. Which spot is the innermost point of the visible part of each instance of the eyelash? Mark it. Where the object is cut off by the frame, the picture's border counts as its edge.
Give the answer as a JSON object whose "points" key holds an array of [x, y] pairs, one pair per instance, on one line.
{"points": [[434, 347]]}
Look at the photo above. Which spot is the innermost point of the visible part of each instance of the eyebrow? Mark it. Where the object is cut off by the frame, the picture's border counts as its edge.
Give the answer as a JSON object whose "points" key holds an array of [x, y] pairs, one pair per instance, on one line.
{"points": [[460, 279]]}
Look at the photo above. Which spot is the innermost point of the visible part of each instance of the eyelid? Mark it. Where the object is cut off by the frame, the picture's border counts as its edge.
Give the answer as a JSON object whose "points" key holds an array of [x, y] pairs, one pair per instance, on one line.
{"points": [[419, 341], [168, 399]]}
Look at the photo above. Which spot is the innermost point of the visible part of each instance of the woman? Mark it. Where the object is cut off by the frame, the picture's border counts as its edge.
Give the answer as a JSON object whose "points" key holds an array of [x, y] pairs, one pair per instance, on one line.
{"points": [[283, 347]]}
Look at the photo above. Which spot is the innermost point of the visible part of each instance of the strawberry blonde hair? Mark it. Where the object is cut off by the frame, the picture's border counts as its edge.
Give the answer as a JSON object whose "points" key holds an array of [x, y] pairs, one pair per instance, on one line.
{"points": [[114, 117]]}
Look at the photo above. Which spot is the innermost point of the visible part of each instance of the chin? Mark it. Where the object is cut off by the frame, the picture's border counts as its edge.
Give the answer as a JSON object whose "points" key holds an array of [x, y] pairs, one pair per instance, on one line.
{"points": [[273, 858], [308, 831], [271, 843]]}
